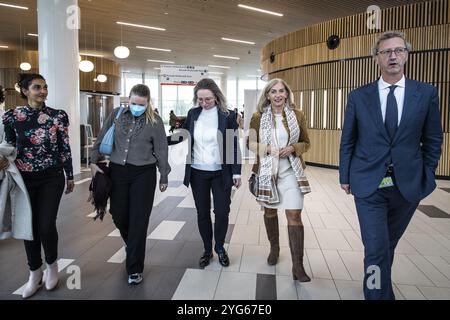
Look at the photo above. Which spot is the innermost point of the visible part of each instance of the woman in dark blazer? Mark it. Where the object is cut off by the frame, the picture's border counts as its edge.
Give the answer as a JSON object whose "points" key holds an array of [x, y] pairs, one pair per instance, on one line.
{"points": [[213, 164]]}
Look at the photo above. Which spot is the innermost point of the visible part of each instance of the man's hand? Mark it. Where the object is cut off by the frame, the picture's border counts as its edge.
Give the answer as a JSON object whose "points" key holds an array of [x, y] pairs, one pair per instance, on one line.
{"points": [[237, 182], [346, 188], [4, 163]]}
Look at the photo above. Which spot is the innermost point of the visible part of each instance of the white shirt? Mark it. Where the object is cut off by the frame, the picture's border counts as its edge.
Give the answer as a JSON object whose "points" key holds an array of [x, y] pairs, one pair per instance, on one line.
{"points": [[399, 93], [206, 154]]}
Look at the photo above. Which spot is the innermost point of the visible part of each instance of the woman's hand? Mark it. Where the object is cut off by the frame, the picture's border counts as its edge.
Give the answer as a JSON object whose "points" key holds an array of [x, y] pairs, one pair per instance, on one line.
{"points": [[4, 163], [273, 152], [162, 187], [69, 187], [94, 169], [285, 152]]}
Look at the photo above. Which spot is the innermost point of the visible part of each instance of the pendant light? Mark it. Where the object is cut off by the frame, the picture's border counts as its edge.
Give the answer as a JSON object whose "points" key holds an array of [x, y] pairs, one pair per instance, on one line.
{"points": [[86, 65], [24, 65], [101, 77], [121, 51]]}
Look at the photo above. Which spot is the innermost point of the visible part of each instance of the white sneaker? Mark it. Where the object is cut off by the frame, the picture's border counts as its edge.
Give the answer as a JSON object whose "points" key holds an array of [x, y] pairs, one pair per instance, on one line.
{"points": [[51, 276], [33, 284], [135, 278]]}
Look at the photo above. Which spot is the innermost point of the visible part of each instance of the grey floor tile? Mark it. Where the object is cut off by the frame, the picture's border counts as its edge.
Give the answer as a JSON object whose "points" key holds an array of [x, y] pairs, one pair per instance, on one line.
{"points": [[103, 250], [169, 284], [164, 253], [229, 233], [433, 212], [266, 287], [446, 189], [114, 287], [189, 255]]}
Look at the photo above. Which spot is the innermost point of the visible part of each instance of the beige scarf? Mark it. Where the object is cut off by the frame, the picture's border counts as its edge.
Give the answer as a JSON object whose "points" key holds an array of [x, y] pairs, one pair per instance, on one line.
{"points": [[267, 190]]}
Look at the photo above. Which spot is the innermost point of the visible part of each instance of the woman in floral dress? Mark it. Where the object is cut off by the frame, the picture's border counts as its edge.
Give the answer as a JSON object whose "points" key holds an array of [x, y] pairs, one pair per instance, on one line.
{"points": [[40, 135]]}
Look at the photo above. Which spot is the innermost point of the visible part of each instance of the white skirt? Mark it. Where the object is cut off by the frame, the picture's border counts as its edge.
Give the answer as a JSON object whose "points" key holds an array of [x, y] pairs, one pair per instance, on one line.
{"points": [[289, 193]]}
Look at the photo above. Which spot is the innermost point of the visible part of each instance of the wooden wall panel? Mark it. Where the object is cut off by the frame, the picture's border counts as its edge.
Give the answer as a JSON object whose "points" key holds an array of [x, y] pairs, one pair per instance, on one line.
{"points": [[316, 73]]}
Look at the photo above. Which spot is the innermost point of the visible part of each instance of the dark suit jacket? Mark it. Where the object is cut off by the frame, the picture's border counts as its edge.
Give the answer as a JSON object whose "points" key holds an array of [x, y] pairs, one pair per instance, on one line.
{"points": [[415, 150], [228, 144]]}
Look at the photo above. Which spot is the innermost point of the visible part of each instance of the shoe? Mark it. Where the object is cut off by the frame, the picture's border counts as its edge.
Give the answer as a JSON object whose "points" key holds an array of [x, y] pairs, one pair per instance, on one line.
{"points": [[51, 276], [204, 259], [223, 258], [34, 283], [135, 278]]}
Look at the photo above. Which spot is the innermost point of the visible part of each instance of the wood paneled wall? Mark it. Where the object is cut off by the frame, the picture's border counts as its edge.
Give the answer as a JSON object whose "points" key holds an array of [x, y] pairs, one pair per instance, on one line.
{"points": [[9, 71], [322, 79]]}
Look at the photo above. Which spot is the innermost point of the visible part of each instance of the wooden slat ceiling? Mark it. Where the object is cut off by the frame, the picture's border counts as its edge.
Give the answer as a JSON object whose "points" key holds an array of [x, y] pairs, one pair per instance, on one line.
{"points": [[194, 28]]}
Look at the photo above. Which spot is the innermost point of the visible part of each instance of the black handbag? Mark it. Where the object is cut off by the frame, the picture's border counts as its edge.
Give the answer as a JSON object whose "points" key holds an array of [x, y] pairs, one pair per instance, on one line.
{"points": [[253, 184]]}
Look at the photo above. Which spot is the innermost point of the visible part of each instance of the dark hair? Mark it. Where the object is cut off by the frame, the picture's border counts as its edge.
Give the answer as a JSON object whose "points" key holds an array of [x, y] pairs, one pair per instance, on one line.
{"points": [[210, 84], [2, 95], [25, 80]]}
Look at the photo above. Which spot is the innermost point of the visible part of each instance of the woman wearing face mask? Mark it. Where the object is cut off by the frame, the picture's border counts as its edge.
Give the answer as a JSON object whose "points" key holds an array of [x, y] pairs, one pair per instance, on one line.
{"points": [[40, 135], [278, 135], [140, 145]]}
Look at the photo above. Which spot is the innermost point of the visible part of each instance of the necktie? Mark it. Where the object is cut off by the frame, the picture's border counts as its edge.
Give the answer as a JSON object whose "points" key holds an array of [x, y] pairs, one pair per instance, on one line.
{"points": [[391, 119]]}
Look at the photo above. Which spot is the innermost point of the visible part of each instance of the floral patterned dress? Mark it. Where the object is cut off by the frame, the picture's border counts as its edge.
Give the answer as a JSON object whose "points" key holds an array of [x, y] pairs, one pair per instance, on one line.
{"points": [[40, 137]]}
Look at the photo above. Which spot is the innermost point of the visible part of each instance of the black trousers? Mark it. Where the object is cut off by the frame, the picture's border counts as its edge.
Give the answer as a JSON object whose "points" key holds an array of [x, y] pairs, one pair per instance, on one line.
{"points": [[202, 182], [45, 190], [132, 195]]}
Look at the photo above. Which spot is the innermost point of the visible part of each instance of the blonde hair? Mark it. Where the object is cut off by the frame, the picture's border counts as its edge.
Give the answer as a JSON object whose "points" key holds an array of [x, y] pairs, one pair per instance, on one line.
{"points": [[264, 101], [141, 90]]}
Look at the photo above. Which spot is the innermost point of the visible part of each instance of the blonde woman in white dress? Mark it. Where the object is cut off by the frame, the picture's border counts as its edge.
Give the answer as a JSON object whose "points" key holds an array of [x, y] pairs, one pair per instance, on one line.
{"points": [[278, 136]]}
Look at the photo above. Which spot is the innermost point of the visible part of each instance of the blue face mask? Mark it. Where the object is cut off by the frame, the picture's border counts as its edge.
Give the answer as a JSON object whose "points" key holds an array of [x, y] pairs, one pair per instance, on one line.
{"points": [[137, 110]]}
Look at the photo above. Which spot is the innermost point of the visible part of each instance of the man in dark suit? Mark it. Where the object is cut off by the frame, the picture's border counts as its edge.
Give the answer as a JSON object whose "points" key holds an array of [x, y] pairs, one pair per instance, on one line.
{"points": [[390, 148]]}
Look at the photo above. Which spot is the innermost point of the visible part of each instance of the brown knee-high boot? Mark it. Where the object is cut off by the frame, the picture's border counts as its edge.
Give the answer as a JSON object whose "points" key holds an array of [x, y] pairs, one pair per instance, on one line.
{"points": [[273, 234], [296, 243]]}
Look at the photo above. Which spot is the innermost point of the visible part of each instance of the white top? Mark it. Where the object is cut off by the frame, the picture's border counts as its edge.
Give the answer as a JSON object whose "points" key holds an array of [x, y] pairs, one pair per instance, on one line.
{"points": [[399, 93], [282, 137], [206, 154]]}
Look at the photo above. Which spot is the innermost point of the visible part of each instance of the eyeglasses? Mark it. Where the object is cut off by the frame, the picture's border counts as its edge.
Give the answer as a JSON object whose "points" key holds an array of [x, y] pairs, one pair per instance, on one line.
{"points": [[387, 53], [207, 99]]}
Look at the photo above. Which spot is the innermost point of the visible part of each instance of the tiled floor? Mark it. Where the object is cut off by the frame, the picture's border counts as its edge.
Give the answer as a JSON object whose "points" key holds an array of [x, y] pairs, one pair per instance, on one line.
{"points": [[333, 249]]}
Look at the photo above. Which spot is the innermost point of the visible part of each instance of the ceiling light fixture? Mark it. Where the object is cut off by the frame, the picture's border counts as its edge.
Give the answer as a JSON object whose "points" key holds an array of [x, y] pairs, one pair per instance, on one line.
{"points": [[101, 77], [12, 6], [139, 26], [25, 66], [86, 66], [33, 34], [223, 67], [260, 10], [240, 41], [155, 49], [4, 47], [162, 61], [121, 51], [226, 57]]}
